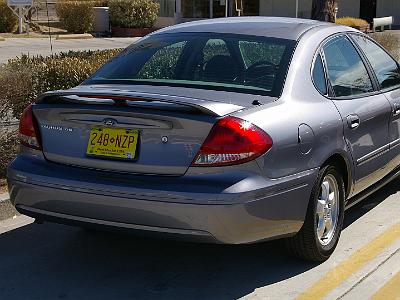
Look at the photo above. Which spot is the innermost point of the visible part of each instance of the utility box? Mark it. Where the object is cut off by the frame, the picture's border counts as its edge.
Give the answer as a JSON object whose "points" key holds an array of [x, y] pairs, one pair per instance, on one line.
{"points": [[101, 22]]}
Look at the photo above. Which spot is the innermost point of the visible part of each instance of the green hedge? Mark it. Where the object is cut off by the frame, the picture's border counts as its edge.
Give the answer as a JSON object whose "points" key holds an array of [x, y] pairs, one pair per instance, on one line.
{"points": [[8, 148], [133, 13], [23, 79], [41, 74], [76, 16], [8, 21]]}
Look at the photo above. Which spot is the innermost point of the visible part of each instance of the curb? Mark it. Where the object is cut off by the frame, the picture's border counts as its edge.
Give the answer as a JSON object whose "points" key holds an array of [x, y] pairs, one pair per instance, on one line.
{"points": [[4, 197], [2, 39], [74, 36]]}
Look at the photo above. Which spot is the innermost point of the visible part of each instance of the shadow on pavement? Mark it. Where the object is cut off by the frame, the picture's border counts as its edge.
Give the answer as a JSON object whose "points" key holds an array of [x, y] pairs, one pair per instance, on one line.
{"points": [[53, 261], [371, 202]]}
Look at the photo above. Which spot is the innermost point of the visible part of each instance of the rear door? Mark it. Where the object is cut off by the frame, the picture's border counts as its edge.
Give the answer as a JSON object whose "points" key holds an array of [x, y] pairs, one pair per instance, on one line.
{"points": [[387, 72], [365, 112]]}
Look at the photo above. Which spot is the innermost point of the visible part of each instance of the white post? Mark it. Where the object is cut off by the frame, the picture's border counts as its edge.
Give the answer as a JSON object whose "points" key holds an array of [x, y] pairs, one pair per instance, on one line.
{"points": [[20, 8], [226, 8], [20, 16], [297, 8]]}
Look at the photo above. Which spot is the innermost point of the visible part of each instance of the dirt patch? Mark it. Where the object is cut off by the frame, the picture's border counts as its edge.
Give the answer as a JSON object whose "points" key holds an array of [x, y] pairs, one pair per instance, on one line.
{"points": [[7, 210], [3, 186]]}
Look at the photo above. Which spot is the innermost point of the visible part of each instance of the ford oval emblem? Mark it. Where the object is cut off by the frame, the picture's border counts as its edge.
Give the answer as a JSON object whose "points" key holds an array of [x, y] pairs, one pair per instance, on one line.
{"points": [[109, 122]]}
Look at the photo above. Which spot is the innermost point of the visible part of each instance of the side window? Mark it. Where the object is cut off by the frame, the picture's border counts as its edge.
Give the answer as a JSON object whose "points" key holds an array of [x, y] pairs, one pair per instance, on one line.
{"points": [[158, 66], [319, 76], [386, 69], [346, 70]]}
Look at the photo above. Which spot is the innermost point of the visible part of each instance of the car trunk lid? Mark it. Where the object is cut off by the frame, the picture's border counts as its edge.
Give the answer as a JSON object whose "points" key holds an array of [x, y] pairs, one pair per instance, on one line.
{"points": [[171, 128]]}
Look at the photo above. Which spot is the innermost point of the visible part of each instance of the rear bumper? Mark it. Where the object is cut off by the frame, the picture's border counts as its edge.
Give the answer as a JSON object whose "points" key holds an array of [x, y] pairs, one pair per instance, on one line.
{"points": [[234, 208]]}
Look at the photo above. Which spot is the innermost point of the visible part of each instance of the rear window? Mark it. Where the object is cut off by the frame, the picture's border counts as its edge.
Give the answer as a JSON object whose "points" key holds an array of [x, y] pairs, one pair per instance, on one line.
{"points": [[231, 62]]}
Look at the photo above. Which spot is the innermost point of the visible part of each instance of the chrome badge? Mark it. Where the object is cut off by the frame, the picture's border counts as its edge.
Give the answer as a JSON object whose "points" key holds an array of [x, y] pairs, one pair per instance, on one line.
{"points": [[109, 122], [57, 128]]}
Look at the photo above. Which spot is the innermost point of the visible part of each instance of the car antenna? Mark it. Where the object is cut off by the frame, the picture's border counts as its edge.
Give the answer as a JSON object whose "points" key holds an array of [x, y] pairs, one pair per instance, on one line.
{"points": [[48, 25]]}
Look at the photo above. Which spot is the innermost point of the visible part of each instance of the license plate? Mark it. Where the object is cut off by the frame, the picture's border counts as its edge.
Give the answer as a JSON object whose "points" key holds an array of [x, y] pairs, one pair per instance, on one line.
{"points": [[113, 142]]}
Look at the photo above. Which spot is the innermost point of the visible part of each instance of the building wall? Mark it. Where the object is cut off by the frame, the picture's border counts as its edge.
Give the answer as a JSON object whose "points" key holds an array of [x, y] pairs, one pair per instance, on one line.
{"points": [[386, 8], [349, 8], [285, 8], [164, 22]]}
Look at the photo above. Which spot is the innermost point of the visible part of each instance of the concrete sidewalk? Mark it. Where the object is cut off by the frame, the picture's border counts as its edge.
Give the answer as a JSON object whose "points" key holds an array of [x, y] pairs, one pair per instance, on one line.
{"points": [[13, 47]]}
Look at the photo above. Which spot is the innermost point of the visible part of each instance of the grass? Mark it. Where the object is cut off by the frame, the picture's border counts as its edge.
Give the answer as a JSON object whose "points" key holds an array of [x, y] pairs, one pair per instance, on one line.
{"points": [[351, 22], [37, 30]]}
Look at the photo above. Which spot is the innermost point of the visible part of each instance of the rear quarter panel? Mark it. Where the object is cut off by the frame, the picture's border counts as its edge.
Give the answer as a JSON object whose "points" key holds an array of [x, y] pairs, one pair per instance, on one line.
{"points": [[300, 103]]}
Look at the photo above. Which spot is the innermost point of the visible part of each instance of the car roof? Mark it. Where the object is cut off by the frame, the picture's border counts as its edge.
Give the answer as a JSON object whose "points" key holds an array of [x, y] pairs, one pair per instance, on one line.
{"points": [[276, 27]]}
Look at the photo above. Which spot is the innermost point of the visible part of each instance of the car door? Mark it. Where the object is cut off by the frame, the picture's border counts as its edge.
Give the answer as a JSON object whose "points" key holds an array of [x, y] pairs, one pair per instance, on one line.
{"points": [[387, 72], [365, 112]]}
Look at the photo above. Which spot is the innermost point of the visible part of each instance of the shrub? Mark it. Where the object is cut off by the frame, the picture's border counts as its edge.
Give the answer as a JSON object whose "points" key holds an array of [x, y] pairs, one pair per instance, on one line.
{"points": [[99, 3], [76, 16], [351, 22], [389, 41], [14, 92], [41, 74], [8, 148], [23, 79], [133, 13], [8, 21], [94, 3]]}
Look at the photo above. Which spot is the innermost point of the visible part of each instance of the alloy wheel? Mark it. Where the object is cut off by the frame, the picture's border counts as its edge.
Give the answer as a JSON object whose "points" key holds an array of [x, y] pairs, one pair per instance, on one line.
{"points": [[327, 210]]}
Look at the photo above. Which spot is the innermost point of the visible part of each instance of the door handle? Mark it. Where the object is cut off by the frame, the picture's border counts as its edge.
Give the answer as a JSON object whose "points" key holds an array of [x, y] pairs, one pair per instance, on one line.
{"points": [[396, 110], [353, 121]]}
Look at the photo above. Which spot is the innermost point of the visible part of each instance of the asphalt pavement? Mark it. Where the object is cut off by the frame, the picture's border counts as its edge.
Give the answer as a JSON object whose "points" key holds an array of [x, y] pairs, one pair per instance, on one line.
{"points": [[51, 261], [13, 47]]}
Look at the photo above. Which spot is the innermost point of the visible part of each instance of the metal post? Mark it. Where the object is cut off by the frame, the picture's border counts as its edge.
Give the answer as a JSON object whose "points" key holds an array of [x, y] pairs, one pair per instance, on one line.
{"points": [[178, 11], [211, 8], [226, 8], [297, 8]]}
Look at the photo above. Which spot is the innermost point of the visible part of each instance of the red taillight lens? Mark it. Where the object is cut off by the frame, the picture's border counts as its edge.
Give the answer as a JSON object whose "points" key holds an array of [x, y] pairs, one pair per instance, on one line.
{"points": [[232, 141], [28, 130]]}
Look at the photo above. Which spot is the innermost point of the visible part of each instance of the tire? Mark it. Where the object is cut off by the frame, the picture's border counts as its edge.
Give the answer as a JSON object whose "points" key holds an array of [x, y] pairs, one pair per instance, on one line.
{"points": [[314, 242]]}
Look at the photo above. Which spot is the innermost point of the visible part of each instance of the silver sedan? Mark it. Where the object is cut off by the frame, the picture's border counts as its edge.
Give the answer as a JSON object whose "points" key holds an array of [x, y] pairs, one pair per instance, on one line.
{"points": [[234, 130]]}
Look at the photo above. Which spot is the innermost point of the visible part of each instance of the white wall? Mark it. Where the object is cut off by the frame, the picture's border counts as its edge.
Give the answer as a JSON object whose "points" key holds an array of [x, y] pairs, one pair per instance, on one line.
{"points": [[388, 8]]}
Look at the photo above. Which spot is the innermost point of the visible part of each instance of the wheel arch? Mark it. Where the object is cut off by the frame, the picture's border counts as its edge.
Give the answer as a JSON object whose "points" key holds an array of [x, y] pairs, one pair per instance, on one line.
{"points": [[344, 167]]}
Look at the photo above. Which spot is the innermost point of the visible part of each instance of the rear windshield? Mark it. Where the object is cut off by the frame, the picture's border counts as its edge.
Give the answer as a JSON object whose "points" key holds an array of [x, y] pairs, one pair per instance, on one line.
{"points": [[240, 63]]}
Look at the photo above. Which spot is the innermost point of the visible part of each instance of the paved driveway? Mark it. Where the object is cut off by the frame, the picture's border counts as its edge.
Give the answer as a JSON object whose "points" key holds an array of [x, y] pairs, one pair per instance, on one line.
{"points": [[52, 261], [13, 47]]}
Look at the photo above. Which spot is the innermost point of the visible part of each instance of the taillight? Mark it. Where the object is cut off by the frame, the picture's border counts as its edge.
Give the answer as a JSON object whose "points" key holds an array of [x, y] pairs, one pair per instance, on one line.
{"points": [[28, 130], [232, 141]]}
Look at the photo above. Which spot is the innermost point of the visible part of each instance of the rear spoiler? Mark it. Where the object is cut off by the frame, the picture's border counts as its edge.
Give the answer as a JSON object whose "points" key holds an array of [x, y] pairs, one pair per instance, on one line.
{"points": [[213, 108]]}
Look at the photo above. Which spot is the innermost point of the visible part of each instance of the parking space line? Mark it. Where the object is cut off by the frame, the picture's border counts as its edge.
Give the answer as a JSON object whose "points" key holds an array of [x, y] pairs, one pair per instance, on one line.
{"points": [[355, 262], [391, 290]]}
